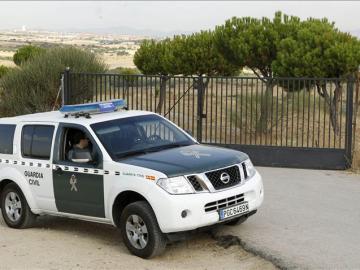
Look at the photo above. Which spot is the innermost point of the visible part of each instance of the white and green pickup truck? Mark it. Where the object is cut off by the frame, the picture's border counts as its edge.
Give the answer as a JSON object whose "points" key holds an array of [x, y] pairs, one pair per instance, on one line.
{"points": [[138, 172]]}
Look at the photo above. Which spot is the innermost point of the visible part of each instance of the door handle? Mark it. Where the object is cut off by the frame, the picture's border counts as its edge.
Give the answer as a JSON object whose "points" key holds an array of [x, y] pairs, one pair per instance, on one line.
{"points": [[58, 170]]}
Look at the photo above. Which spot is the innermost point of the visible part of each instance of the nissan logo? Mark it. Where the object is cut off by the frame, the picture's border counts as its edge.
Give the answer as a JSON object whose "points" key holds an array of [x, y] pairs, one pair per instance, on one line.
{"points": [[225, 178]]}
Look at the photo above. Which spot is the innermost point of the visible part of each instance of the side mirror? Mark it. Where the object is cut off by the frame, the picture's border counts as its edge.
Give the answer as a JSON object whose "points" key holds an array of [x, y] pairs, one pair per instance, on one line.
{"points": [[81, 160], [81, 157], [188, 131]]}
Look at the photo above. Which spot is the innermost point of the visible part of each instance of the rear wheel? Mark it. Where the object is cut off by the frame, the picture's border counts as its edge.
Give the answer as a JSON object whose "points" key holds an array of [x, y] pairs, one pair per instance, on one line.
{"points": [[140, 230], [14, 208]]}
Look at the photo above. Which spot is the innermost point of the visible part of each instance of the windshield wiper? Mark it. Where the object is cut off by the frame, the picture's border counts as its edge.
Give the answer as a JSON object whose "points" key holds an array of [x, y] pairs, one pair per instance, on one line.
{"points": [[166, 146], [150, 150], [132, 153]]}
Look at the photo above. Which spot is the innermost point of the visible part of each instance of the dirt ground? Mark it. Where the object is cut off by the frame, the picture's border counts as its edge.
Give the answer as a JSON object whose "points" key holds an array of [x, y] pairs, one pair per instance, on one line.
{"points": [[59, 243]]}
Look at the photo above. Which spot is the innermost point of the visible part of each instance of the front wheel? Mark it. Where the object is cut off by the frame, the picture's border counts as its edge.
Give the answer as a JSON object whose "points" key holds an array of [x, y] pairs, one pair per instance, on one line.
{"points": [[140, 230], [14, 208]]}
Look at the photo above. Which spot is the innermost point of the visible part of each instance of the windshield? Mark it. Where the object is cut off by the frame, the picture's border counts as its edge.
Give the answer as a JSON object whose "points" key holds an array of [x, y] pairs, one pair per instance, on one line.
{"points": [[139, 135]]}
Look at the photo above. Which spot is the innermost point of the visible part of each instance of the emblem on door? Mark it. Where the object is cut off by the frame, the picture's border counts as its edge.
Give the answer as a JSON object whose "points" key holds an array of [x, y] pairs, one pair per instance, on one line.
{"points": [[73, 182]]}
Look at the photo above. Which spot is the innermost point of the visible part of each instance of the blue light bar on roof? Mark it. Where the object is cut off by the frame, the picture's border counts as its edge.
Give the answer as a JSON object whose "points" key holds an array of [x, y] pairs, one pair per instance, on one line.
{"points": [[97, 107]]}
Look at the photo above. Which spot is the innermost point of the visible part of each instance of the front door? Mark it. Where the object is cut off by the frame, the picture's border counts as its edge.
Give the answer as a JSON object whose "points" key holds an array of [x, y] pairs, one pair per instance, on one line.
{"points": [[78, 185]]}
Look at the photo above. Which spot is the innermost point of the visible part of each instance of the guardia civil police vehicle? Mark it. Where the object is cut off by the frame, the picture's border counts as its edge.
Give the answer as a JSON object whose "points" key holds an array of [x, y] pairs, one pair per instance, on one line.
{"points": [[138, 172]]}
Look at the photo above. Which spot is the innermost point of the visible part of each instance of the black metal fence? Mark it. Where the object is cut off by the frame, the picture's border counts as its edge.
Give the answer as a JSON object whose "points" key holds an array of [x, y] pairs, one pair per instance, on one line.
{"points": [[295, 122]]}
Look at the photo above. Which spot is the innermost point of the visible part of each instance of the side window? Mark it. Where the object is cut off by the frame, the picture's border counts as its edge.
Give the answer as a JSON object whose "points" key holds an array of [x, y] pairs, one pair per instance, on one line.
{"points": [[6, 138], [36, 141], [26, 139], [77, 147]]}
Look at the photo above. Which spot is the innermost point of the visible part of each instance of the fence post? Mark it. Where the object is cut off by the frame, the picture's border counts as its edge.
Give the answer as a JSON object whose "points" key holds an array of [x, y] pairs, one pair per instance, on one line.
{"points": [[356, 108], [200, 88], [66, 87], [62, 89], [162, 93], [349, 120]]}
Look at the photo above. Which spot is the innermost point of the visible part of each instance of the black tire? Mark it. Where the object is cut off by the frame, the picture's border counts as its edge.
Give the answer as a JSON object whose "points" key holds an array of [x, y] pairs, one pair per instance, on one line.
{"points": [[156, 240], [237, 221], [26, 218]]}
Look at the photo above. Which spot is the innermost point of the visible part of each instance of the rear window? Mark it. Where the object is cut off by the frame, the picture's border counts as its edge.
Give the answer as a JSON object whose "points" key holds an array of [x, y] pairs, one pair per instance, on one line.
{"points": [[36, 141], [6, 138]]}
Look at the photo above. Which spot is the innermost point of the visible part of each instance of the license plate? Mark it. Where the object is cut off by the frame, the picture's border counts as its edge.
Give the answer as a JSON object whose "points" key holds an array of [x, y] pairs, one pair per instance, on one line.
{"points": [[232, 211]]}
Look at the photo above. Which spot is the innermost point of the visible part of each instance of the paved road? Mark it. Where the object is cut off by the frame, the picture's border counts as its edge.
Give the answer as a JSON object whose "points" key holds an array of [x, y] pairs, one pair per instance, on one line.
{"points": [[309, 219]]}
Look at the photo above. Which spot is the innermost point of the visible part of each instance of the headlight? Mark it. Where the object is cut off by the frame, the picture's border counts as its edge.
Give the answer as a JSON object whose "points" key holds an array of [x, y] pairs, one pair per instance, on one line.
{"points": [[175, 185], [250, 168]]}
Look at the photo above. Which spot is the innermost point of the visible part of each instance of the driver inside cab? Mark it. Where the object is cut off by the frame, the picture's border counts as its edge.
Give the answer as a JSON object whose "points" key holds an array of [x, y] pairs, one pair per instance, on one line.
{"points": [[80, 151]]}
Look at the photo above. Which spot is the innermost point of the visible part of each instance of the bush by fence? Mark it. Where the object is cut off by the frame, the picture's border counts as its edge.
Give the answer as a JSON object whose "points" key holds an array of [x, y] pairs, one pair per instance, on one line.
{"points": [[35, 86]]}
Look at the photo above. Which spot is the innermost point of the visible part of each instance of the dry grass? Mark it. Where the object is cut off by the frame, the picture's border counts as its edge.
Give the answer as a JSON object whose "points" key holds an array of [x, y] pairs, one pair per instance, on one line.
{"points": [[7, 63], [113, 60]]}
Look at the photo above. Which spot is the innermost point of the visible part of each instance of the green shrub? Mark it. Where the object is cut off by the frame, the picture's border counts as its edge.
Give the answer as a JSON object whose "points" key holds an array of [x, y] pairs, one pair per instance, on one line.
{"points": [[126, 71], [26, 53], [4, 70], [35, 86]]}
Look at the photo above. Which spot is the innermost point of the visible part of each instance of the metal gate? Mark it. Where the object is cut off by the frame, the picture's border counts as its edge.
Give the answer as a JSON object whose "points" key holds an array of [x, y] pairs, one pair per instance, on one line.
{"points": [[290, 122]]}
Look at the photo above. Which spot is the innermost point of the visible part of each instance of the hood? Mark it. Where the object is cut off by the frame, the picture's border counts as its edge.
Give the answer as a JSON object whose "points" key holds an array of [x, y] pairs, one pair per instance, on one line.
{"points": [[187, 159]]}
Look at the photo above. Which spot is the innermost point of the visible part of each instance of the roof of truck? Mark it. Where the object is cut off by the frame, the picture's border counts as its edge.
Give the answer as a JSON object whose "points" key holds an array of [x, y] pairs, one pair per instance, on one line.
{"points": [[57, 117]]}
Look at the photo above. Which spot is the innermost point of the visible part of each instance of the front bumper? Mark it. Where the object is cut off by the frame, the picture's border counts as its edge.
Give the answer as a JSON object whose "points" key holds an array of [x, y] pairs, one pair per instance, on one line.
{"points": [[168, 208]]}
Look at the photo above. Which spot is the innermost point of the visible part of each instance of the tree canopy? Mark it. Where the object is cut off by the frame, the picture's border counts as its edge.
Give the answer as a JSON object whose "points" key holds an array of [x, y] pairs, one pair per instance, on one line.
{"points": [[283, 46], [193, 54], [152, 57], [253, 42], [317, 49], [288, 47], [196, 54]]}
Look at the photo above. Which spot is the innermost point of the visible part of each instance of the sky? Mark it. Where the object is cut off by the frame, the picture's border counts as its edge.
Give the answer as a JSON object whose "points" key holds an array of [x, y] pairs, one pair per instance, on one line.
{"points": [[164, 16]]}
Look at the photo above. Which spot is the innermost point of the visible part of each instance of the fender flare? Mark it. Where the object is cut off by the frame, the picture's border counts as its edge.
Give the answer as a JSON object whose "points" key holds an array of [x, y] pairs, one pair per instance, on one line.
{"points": [[116, 193]]}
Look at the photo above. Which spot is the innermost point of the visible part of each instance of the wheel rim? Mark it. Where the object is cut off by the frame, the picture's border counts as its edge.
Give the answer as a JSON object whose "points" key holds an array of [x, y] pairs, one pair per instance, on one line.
{"points": [[137, 232], [13, 206]]}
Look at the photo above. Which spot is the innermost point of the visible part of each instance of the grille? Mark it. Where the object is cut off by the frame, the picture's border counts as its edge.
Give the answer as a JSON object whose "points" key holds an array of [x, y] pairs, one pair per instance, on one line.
{"points": [[216, 205], [233, 172], [195, 183]]}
